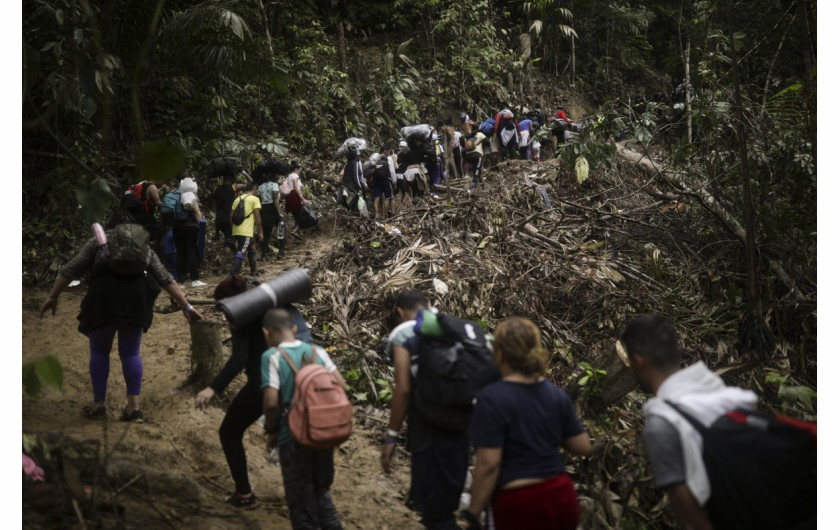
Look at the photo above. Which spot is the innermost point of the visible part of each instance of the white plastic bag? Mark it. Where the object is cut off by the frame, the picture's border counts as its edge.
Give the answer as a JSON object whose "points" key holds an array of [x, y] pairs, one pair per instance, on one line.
{"points": [[188, 184], [189, 200], [416, 131], [359, 143]]}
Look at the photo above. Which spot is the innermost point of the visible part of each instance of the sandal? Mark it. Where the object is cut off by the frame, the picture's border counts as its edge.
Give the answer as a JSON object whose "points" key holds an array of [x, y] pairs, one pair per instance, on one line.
{"points": [[134, 417], [93, 412]]}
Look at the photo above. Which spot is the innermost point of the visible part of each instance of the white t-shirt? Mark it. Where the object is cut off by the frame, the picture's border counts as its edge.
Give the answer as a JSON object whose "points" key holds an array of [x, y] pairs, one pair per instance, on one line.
{"points": [[290, 180]]}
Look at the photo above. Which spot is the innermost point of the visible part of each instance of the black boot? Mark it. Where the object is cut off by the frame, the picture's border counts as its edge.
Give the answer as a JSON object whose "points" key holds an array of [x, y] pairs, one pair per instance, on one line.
{"points": [[237, 266]]}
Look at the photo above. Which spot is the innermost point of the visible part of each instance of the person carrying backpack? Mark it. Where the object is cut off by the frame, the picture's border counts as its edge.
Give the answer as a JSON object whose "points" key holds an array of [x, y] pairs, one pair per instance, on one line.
{"points": [[722, 464], [474, 155], [248, 230], [248, 345], [526, 130], [224, 195], [185, 235], [307, 472], [517, 426], [506, 131], [119, 302], [439, 454], [383, 175], [139, 203]]}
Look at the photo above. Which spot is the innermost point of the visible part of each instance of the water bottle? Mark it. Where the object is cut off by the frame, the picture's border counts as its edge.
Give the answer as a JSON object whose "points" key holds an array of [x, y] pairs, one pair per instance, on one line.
{"points": [[281, 230], [99, 232]]}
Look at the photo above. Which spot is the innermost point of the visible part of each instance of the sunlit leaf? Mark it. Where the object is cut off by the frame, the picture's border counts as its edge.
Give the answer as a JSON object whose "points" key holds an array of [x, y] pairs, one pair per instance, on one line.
{"points": [[582, 169]]}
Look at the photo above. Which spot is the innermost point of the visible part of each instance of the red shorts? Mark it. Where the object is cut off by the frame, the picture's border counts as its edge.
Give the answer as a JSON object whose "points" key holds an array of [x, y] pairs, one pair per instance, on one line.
{"points": [[551, 504]]}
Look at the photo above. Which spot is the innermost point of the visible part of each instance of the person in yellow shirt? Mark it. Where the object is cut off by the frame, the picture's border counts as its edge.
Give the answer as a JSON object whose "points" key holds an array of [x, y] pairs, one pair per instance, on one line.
{"points": [[249, 231]]}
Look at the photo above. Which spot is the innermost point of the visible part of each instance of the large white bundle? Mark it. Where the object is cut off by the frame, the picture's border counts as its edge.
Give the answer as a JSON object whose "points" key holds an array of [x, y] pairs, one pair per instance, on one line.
{"points": [[359, 144], [420, 131], [189, 200]]}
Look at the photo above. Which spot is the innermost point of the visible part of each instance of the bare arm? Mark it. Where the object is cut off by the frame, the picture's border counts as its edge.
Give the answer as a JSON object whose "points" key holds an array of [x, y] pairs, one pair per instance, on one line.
{"points": [[399, 400], [154, 194], [488, 463], [689, 512], [61, 283], [579, 445], [175, 292], [258, 224], [275, 195], [271, 406]]}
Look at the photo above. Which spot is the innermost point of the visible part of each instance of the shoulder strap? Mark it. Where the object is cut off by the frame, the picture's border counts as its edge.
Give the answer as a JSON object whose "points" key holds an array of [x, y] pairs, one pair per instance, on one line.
{"points": [[702, 429], [289, 361]]}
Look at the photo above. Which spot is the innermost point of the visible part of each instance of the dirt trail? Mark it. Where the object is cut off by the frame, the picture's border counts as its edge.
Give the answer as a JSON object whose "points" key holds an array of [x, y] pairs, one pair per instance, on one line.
{"points": [[180, 441]]}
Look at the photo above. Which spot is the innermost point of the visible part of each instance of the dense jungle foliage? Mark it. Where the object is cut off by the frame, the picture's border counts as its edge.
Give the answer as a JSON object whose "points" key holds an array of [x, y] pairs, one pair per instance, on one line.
{"points": [[118, 91], [122, 90]]}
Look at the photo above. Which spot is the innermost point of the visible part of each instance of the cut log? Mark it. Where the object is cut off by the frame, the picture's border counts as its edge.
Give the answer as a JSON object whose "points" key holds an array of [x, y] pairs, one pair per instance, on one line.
{"points": [[206, 357]]}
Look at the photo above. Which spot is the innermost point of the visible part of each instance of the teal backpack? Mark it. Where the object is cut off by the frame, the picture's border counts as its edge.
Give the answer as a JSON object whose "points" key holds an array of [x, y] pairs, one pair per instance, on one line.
{"points": [[171, 209]]}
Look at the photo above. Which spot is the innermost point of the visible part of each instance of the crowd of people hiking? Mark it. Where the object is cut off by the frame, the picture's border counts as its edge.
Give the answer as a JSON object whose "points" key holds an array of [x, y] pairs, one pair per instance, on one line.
{"points": [[426, 156], [462, 398]]}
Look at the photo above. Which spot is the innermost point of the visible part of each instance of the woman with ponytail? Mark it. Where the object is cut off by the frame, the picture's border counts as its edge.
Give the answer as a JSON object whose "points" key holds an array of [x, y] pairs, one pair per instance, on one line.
{"points": [[517, 426]]}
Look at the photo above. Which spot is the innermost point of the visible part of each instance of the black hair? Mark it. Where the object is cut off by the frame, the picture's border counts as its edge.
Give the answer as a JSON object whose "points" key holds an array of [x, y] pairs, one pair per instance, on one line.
{"points": [[277, 320], [654, 338], [251, 185], [293, 166], [411, 299]]}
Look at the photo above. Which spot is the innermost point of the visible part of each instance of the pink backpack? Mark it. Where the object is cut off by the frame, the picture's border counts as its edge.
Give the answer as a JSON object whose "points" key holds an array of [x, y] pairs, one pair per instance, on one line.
{"points": [[320, 415]]}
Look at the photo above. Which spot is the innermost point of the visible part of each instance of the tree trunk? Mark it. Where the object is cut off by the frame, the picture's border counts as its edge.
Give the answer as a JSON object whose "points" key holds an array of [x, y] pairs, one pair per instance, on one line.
{"points": [[206, 357], [342, 48], [617, 383], [688, 84], [753, 335], [267, 31]]}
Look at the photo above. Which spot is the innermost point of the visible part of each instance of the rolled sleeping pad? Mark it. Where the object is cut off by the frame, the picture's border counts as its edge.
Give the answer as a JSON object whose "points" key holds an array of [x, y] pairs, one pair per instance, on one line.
{"points": [[290, 287]]}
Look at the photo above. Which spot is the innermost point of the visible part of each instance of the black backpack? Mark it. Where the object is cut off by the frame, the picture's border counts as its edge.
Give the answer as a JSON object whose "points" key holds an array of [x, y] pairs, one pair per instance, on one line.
{"points": [[762, 470], [382, 172], [239, 212], [450, 371]]}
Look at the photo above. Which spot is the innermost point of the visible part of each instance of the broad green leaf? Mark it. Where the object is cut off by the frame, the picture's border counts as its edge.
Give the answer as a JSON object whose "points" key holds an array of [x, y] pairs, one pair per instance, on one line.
{"points": [[802, 394], [160, 161], [50, 373], [375, 244], [94, 197], [582, 381], [31, 384], [484, 242]]}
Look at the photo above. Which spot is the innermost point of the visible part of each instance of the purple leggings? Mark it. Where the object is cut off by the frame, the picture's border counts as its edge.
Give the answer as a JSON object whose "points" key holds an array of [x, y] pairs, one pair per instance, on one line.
{"points": [[101, 341]]}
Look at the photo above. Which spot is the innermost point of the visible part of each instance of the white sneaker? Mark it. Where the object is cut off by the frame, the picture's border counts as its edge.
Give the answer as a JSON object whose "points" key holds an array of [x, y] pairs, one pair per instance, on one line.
{"points": [[198, 283]]}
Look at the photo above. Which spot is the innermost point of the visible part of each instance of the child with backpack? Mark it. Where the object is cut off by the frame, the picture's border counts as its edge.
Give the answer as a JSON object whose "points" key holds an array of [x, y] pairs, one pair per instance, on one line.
{"points": [[307, 471]]}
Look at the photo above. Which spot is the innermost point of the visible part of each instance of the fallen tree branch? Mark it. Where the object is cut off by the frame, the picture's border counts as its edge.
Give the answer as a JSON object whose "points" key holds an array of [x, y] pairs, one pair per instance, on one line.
{"points": [[708, 201]]}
